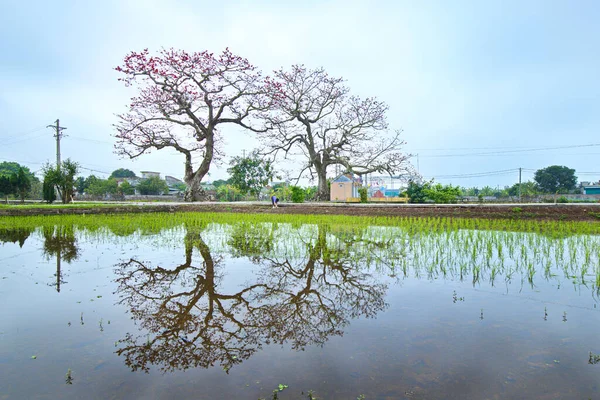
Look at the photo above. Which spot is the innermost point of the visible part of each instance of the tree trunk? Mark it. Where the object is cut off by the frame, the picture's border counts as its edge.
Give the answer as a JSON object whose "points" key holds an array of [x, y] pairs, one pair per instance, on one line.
{"points": [[194, 191], [323, 191]]}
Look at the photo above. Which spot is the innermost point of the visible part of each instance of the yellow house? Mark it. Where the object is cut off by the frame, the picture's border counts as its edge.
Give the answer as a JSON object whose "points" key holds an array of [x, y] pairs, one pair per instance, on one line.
{"points": [[344, 187]]}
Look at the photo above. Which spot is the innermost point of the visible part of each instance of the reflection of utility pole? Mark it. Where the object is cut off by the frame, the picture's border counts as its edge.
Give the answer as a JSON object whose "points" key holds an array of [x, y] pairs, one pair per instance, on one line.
{"points": [[520, 184], [57, 135], [58, 274]]}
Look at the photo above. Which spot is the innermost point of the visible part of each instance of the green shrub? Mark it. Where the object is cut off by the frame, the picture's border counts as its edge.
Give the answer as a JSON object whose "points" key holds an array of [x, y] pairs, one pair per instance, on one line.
{"points": [[562, 199], [298, 194], [364, 197], [49, 195]]}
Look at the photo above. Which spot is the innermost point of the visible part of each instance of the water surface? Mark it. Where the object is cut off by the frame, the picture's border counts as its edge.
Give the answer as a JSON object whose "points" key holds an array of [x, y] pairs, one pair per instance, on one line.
{"points": [[228, 311]]}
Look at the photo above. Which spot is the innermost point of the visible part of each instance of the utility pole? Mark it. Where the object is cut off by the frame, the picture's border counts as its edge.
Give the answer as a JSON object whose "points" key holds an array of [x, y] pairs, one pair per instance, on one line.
{"points": [[520, 184], [57, 135]]}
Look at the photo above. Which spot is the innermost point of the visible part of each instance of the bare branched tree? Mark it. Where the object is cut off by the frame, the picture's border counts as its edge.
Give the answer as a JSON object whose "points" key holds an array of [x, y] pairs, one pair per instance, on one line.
{"points": [[318, 117]]}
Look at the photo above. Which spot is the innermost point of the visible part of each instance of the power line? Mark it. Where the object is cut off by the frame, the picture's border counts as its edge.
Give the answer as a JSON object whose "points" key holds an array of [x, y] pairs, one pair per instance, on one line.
{"points": [[20, 135], [511, 151], [478, 174]]}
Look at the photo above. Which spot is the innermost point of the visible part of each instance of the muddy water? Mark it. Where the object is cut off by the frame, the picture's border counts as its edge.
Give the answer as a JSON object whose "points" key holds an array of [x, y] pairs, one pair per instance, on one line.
{"points": [[233, 312]]}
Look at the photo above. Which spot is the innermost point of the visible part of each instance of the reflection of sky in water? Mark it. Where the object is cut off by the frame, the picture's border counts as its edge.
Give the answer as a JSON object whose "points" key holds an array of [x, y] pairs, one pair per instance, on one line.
{"points": [[438, 338]]}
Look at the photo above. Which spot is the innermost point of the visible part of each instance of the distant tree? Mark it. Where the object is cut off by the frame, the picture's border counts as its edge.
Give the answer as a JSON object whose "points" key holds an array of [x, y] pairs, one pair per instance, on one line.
{"points": [[62, 178], [555, 179], [183, 101], [152, 186], [442, 194], [528, 189], [250, 174], [9, 168], [21, 184], [472, 191], [103, 187], [80, 185], [311, 193], [122, 173], [126, 188], [221, 182], [228, 193], [6, 186], [416, 192], [432, 192], [36, 189], [487, 191]]}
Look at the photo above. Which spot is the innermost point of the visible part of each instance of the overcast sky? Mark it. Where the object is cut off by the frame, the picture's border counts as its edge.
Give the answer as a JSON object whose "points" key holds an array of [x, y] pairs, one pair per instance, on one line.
{"points": [[477, 86]]}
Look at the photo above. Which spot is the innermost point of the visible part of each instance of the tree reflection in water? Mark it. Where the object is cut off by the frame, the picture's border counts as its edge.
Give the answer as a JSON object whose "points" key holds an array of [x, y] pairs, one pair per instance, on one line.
{"points": [[191, 321], [17, 235]]}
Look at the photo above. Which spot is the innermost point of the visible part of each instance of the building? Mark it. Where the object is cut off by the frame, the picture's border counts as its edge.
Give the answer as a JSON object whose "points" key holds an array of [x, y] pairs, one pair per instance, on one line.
{"points": [[172, 181], [591, 189], [344, 187], [149, 174]]}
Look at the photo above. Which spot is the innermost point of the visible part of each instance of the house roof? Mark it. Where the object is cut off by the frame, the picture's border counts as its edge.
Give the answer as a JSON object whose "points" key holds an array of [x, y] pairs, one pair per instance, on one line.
{"points": [[342, 178]]}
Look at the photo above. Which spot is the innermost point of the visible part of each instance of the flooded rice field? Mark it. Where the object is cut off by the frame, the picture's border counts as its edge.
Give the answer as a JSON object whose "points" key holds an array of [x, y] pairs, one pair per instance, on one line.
{"points": [[247, 307]]}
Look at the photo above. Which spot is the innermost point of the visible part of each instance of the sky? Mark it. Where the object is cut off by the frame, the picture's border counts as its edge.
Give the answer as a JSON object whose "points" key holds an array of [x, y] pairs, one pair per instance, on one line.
{"points": [[479, 88]]}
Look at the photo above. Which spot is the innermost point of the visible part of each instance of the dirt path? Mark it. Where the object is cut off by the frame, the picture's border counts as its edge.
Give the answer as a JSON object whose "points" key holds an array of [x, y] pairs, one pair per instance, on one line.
{"points": [[568, 212]]}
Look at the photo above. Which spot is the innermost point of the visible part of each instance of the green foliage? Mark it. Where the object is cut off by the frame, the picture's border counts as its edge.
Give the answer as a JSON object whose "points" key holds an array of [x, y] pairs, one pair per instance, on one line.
{"points": [[555, 179], [228, 193], [441, 194], [298, 194], [48, 191], [153, 186], [221, 182], [103, 187], [436, 193], [21, 183], [415, 192], [80, 185], [181, 187], [282, 191], [62, 178], [250, 174], [363, 193], [10, 168], [126, 188], [310, 193], [528, 189], [122, 173], [6, 186], [562, 199]]}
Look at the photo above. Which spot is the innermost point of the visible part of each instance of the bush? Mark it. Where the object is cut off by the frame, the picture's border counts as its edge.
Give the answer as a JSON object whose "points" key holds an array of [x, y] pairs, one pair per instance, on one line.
{"points": [[298, 194], [415, 192], [364, 196], [562, 199], [48, 193]]}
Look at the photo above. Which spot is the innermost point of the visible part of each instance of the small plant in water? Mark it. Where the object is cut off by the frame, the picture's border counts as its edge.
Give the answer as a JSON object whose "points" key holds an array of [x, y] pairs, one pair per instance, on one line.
{"points": [[68, 377], [594, 358], [455, 297]]}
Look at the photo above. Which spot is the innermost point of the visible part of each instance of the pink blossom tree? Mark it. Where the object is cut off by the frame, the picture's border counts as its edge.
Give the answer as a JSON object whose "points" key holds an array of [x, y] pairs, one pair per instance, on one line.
{"points": [[182, 101], [319, 118]]}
